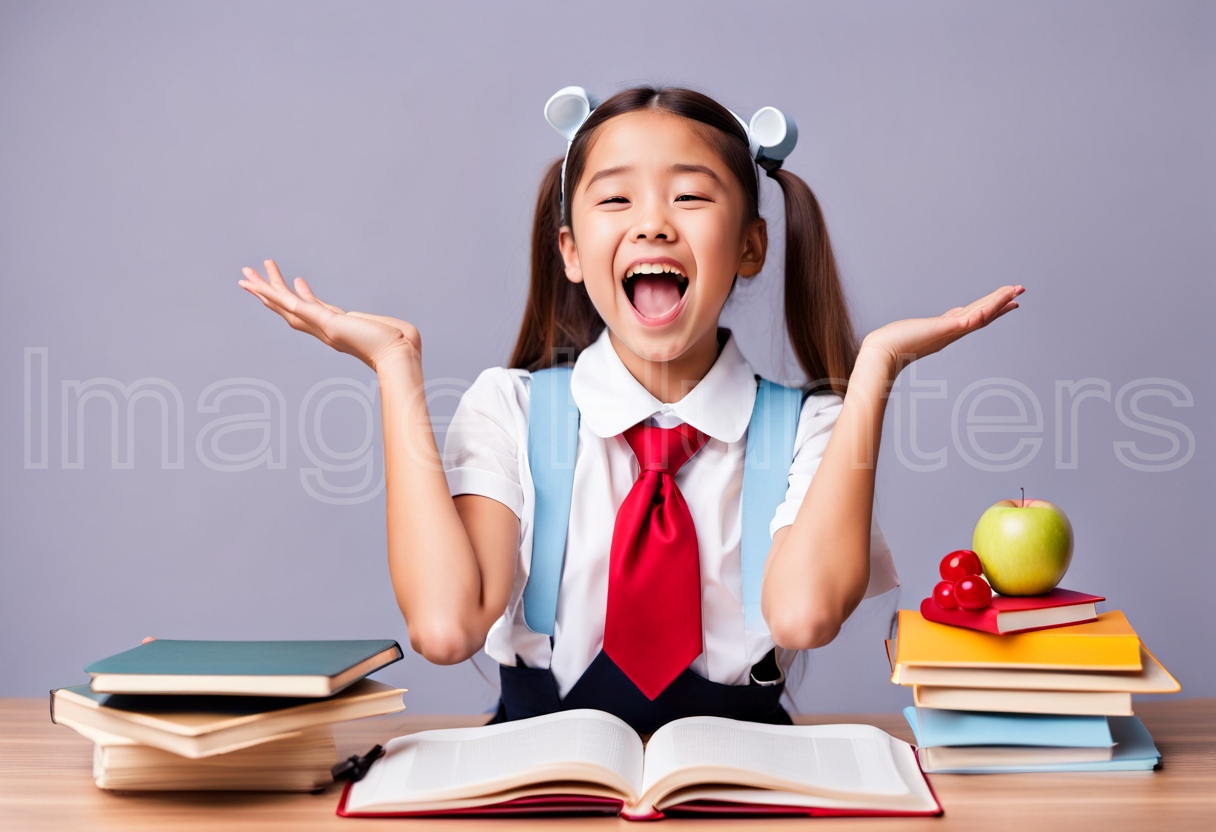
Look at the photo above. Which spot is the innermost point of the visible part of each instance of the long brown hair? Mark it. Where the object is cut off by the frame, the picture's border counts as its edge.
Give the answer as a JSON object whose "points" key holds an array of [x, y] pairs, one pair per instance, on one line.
{"points": [[560, 321]]}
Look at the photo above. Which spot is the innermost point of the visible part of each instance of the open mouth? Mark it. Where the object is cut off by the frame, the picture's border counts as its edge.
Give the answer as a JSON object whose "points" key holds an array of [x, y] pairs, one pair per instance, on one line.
{"points": [[654, 289]]}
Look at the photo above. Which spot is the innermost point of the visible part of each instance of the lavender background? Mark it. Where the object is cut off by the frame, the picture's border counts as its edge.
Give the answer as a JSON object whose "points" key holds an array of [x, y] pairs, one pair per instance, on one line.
{"points": [[390, 153]]}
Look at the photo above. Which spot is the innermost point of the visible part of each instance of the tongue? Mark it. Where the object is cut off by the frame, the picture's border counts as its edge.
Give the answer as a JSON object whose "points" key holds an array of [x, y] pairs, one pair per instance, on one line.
{"points": [[655, 294]]}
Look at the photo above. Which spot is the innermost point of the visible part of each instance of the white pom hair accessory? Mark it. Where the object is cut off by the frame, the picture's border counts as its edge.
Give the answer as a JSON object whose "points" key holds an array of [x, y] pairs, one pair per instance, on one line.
{"points": [[771, 135], [566, 110]]}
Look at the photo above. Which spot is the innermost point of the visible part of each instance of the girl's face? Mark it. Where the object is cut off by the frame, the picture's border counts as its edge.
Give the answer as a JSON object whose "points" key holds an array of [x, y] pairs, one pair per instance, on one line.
{"points": [[657, 236]]}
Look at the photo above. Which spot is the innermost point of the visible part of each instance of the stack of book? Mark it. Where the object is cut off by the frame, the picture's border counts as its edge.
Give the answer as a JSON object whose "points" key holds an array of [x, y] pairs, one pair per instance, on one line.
{"points": [[241, 715], [1029, 684]]}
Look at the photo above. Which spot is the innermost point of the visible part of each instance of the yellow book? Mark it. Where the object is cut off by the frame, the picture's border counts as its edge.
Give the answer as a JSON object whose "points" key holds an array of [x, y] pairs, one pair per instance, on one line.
{"points": [[1154, 678], [1109, 643]]}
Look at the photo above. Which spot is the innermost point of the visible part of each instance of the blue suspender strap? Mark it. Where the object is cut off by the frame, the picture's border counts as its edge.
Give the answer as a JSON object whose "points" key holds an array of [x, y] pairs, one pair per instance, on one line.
{"points": [[552, 447], [766, 468]]}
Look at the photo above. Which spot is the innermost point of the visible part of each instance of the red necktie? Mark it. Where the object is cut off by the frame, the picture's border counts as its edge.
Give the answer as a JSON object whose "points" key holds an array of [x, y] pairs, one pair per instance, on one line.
{"points": [[652, 626]]}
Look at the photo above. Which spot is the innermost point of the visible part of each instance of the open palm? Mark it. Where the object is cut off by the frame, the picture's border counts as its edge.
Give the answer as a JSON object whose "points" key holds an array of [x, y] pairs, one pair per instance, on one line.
{"points": [[913, 338], [370, 338]]}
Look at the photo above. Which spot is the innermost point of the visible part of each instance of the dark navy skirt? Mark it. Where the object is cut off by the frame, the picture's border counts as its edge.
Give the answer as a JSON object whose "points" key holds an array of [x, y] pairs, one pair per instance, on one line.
{"points": [[531, 691]]}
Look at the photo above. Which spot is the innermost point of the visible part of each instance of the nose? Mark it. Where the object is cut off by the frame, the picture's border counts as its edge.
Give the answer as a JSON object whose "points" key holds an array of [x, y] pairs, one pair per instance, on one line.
{"points": [[653, 222]]}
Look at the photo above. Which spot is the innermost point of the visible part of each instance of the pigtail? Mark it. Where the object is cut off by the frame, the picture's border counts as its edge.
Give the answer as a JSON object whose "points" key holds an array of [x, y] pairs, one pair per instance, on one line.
{"points": [[816, 313], [559, 319]]}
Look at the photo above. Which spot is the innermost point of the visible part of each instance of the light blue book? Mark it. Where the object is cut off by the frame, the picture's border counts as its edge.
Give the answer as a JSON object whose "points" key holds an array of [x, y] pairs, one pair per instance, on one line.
{"points": [[937, 727], [1134, 751]]}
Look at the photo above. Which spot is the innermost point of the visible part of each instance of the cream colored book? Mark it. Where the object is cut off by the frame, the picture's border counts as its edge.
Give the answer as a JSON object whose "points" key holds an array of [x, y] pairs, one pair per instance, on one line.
{"points": [[298, 764], [1081, 703], [585, 760], [944, 757], [1152, 678], [95, 734], [201, 726]]}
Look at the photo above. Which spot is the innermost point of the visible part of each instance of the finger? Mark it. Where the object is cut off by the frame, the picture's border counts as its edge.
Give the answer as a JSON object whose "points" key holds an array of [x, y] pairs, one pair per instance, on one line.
{"points": [[303, 322], [254, 282], [272, 272], [384, 319], [266, 293], [955, 326], [1000, 297], [982, 317], [1008, 307], [306, 292], [991, 297], [252, 275], [999, 305], [277, 289], [303, 288], [147, 639], [381, 318]]}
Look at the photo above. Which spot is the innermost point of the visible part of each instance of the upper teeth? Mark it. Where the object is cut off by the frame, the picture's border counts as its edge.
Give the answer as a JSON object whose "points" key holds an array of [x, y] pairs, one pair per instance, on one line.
{"points": [[652, 268]]}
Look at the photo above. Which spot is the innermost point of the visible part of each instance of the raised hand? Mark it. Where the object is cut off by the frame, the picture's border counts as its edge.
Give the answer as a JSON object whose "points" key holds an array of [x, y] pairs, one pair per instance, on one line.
{"points": [[370, 338], [907, 340]]}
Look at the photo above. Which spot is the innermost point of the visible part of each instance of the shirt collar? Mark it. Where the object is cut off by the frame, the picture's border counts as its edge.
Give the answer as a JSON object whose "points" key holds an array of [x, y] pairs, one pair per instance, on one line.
{"points": [[610, 399]]}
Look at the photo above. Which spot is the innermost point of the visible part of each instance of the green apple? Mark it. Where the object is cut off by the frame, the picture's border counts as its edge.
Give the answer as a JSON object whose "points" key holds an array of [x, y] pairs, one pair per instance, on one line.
{"points": [[1025, 546]]}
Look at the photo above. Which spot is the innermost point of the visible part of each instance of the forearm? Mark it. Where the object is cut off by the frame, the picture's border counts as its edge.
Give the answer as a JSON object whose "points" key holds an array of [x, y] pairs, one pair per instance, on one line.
{"points": [[434, 569], [819, 566]]}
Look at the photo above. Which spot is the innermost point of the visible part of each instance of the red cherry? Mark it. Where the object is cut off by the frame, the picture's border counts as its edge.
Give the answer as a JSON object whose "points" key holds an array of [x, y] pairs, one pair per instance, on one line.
{"points": [[943, 594], [960, 564], [972, 593]]}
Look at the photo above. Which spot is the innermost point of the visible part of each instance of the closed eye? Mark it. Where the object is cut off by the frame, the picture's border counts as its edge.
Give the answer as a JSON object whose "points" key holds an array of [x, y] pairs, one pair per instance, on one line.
{"points": [[620, 200]]}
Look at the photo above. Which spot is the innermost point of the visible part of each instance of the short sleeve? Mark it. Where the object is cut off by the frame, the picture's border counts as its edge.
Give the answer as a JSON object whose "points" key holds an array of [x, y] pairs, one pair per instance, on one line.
{"points": [[815, 424], [488, 432]]}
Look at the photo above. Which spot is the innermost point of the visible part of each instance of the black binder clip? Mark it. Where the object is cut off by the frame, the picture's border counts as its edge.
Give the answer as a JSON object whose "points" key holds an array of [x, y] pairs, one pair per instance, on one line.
{"points": [[354, 768]]}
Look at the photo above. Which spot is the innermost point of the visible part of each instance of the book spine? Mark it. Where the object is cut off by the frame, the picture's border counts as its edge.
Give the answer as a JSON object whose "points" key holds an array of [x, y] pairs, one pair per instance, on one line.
{"points": [[983, 621]]}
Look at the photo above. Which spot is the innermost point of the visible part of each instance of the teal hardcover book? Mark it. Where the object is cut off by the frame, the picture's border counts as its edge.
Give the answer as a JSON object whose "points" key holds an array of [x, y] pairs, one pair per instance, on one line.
{"points": [[243, 668], [1134, 750], [937, 727]]}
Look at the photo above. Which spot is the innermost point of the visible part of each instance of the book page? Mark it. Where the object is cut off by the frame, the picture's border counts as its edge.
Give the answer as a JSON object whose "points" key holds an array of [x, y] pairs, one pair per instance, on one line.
{"points": [[829, 760], [457, 763]]}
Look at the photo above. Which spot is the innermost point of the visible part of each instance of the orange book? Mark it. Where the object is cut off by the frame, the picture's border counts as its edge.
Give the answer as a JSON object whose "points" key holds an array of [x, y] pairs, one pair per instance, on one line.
{"points": [[1109, 643]]}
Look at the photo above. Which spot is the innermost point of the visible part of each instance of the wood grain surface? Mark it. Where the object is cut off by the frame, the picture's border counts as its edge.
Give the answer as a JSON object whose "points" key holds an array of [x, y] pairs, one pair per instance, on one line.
{"points": [[46, 784]]}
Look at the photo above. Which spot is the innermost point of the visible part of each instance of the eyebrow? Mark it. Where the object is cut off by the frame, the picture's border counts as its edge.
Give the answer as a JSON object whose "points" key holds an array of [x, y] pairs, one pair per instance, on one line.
{"points": [[676, 168]]}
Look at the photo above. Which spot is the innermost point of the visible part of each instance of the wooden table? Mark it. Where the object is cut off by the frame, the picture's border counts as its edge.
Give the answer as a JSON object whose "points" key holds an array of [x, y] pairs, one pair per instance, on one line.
{"points": [[46, 784]]}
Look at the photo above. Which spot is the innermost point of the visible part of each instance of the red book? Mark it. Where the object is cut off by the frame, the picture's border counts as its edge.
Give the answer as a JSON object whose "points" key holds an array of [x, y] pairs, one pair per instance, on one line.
{"points": [[1019, 613]]}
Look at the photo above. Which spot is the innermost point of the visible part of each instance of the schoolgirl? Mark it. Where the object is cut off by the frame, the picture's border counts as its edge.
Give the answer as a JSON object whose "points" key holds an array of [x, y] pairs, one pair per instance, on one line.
{"points": [[628, 518]]}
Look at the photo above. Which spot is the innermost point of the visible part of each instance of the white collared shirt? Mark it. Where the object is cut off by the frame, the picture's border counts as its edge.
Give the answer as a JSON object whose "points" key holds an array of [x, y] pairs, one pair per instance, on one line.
{"points": [[486, 453]]}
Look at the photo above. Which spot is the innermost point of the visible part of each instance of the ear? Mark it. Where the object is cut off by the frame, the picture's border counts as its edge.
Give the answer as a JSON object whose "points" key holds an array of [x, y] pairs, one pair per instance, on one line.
{"points": [[565, 243], [755, 248]]}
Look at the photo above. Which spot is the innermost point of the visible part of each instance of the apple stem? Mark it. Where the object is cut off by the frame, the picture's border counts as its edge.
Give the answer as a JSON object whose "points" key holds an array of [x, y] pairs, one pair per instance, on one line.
{"points": [[1023, 498]]}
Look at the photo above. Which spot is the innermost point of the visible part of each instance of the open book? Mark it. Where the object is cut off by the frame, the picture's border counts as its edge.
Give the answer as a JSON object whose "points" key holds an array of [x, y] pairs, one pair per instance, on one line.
{"points": [[585, 760]]}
